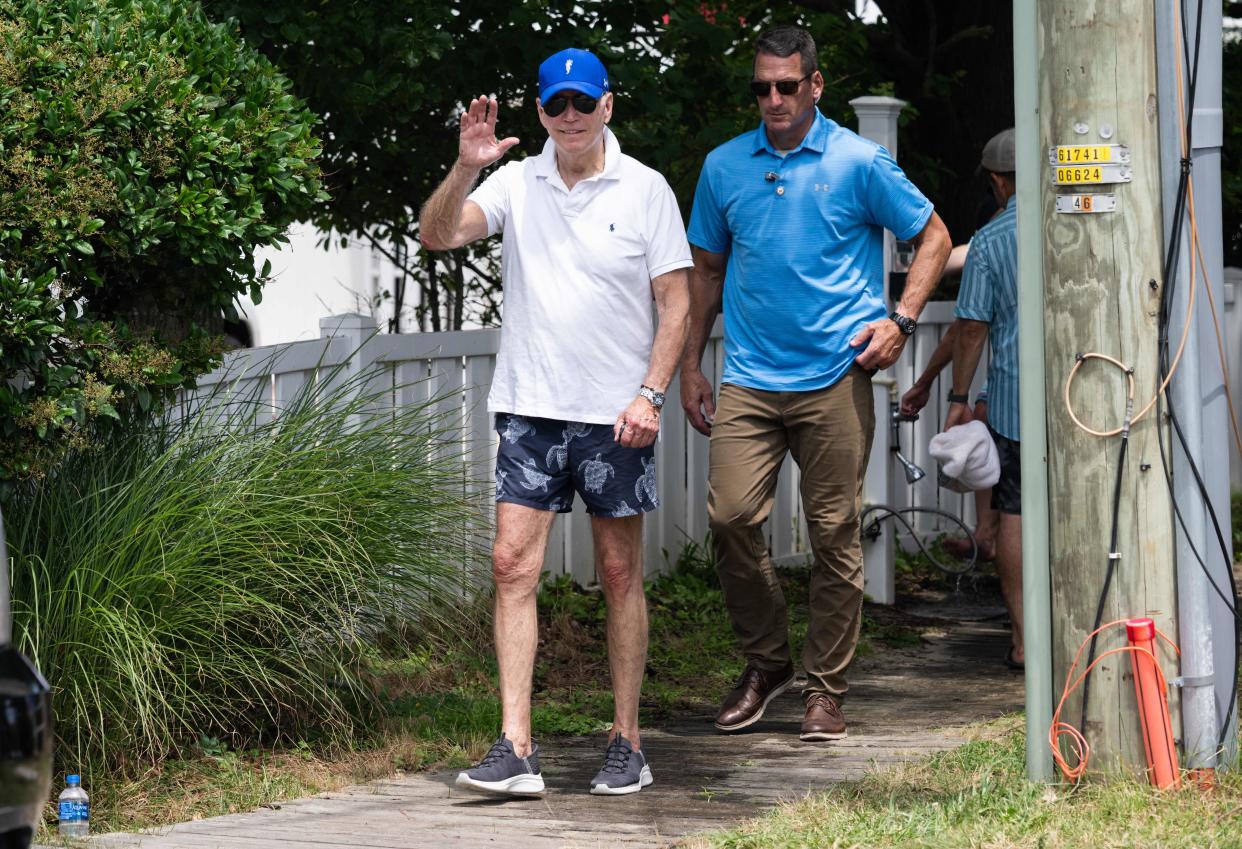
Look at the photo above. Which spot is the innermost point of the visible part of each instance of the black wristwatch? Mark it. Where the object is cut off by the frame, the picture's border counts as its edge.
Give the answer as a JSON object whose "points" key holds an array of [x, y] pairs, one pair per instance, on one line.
{"points": [[958, 399], [904, 323]]}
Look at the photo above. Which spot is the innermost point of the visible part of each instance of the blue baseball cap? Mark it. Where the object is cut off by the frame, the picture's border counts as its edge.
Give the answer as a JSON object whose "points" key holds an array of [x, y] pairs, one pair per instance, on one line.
{"points": [[577, 70]]}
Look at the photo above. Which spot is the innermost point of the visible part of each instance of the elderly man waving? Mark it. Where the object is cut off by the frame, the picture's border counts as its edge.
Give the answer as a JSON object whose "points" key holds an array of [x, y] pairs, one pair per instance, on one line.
{"points": [[590, 238]]}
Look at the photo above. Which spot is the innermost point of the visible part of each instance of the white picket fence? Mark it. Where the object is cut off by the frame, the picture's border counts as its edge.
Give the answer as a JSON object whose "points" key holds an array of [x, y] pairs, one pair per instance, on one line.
{"points": [[456, 368]]}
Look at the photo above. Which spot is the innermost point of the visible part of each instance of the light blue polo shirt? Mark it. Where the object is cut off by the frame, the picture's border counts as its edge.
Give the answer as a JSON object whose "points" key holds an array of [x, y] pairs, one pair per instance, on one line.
{"points": [[804, 236]]}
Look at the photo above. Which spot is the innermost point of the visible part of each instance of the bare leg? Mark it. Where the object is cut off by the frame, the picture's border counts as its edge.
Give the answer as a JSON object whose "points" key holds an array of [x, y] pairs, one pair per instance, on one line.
{"points": [[517, 562], [1009, 567], [619, 566], [986, 519]]}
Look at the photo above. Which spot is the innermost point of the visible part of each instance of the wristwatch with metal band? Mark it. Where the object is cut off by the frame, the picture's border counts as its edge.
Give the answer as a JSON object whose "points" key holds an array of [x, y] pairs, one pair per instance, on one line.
{"points": [[904, 323], [656, 399]]}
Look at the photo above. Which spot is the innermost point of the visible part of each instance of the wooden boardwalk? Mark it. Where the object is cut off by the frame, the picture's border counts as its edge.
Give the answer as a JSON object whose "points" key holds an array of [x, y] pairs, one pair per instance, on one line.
{"points": [[903, 704]]}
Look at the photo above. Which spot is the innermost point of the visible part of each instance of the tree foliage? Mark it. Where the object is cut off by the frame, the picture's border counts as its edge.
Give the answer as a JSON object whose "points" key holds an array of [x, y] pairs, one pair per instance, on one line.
{"points": [[145, 153], [390, 80]]}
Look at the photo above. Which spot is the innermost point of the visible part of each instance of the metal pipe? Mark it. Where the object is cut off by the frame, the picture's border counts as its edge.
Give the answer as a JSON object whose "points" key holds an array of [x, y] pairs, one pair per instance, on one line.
{"points": [[1036, 580], [1197, 389]]}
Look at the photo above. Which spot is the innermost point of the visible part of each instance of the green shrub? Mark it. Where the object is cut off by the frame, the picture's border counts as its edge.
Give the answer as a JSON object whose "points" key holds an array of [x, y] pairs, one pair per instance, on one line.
{"points": [[145, 154], [229, 578]]}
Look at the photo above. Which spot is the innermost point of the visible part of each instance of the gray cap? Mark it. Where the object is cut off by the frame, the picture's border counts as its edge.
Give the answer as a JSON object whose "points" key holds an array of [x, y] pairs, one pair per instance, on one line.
{"points": [[998, 153]]}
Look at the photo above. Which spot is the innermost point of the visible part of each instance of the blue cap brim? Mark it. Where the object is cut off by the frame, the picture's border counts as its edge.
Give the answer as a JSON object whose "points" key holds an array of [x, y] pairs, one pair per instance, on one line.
{"points": [[571, 85]]}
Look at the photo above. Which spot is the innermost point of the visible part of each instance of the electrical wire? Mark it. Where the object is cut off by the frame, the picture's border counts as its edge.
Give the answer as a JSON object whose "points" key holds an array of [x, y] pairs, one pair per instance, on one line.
{"points": [[1183, 209], [1114, 555], [1185, 106], [1211, 299]]}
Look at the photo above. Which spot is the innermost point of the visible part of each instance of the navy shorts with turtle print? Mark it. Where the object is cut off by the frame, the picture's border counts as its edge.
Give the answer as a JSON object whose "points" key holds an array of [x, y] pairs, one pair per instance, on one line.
{"points": [[541, 463]]}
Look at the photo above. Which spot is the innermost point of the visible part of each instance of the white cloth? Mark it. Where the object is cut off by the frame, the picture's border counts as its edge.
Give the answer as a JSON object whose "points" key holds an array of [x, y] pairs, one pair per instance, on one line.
{"points": [[967, 457], [577, 331]]}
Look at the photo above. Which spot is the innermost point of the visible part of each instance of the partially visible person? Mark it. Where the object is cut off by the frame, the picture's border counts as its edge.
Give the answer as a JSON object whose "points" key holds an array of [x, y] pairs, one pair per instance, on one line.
{"points": [[591, 238], [987, 311], [912, 402], [787, 232], [917, 396]]}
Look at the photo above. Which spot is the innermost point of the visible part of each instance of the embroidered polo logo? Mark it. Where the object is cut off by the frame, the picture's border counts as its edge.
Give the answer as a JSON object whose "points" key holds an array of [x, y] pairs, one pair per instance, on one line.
{"points": [[569, 63], [612, 228]]}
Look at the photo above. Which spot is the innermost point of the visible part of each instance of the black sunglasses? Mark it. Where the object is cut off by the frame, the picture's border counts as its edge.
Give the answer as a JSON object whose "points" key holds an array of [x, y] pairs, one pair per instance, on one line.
{"points": [[760, 88], [584, 104]]}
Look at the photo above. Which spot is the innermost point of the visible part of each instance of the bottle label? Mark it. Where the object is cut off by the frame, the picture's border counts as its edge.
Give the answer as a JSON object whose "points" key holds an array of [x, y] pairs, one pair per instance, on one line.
{"points": [[73, 811]]}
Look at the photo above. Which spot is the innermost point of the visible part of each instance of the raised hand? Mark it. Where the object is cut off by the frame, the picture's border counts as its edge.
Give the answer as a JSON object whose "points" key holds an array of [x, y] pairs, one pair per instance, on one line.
{"points": [[478, 147]]}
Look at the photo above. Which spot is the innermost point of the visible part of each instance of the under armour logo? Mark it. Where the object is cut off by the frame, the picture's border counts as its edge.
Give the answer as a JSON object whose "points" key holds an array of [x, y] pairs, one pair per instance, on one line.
{"points": [[569, 63], [612, 228]]}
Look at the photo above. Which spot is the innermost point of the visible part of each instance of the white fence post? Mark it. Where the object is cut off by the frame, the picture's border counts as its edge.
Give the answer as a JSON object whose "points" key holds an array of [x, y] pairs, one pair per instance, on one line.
{"points": [[356, 330], [877, 121], [879, 576]]}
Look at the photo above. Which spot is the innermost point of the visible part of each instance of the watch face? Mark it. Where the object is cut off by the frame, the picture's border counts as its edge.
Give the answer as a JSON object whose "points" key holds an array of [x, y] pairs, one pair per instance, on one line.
{"points": [[904, 322]]}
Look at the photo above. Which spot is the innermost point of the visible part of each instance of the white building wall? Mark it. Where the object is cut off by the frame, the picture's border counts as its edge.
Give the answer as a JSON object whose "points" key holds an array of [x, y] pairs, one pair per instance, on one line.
{"points": [[309, 283]]}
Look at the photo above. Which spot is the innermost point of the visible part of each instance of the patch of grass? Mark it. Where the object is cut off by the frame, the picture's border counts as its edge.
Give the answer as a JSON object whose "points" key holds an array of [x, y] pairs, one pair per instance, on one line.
{"points": [[978, 795], [216, 781], [234, 576], [916, 571]]}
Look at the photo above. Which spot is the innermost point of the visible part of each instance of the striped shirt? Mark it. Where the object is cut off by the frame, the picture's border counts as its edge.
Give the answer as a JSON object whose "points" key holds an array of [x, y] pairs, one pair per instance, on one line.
{"points": [[989, 293]]}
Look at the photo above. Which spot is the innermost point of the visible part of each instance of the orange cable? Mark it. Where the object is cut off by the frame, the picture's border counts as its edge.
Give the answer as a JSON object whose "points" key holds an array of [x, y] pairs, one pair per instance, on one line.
{"points": [[1077, 741]]}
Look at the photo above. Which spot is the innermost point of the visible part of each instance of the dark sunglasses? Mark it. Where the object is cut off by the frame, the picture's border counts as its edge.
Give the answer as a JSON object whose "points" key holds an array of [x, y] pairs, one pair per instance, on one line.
{"points": [[583, 103], [760, 88]]}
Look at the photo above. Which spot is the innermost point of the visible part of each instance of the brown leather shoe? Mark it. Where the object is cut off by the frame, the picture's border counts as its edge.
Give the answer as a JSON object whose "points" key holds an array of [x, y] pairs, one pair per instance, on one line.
{"points": [[823, 720], [746, 703]]}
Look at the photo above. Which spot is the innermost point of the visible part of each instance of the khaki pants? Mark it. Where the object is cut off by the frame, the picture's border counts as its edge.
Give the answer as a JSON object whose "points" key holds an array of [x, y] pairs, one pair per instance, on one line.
{"points": [[829, 432]]}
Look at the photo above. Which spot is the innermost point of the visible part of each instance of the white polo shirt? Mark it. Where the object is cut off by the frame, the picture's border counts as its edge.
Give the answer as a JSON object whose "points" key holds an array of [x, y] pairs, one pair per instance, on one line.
{"points": [[577, 267]]}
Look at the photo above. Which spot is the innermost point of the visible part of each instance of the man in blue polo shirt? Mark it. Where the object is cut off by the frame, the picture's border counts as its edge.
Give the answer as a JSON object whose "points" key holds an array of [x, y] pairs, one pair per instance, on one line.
{"points": [[787, 233]]}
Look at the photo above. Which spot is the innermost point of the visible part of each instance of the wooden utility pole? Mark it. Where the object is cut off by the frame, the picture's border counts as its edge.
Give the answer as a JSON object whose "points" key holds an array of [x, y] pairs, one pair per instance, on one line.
{"points": [[1097, 99]]}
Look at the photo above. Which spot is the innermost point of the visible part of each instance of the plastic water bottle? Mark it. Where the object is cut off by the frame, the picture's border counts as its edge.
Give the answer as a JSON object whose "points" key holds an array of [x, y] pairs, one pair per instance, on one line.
{"points": [[74, 809]]}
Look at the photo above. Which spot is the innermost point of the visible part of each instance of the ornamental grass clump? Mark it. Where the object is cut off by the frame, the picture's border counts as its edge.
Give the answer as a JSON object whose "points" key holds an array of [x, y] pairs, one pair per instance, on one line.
{"points": [[230, 575]]}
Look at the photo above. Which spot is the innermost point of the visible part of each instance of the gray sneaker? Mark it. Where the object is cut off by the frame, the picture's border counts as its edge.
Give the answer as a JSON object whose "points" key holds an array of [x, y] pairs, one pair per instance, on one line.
{"points": [[502, 771], [625, 770]]}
